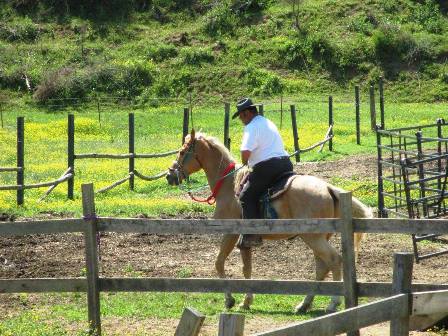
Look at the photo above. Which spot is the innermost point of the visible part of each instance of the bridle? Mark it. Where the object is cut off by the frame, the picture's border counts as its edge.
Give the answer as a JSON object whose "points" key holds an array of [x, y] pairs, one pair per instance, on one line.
{"points": [[188, 154]]}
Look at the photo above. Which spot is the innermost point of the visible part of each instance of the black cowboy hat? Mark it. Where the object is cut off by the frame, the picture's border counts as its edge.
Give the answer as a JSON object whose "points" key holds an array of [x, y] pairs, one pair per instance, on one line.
{"points": [[242, 105]]}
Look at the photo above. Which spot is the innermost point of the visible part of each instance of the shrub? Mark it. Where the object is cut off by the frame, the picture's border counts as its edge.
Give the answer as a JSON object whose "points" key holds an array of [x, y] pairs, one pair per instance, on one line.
{"points": [[392, 44], [421, 51], [308, 47], [196, 56], [162, 52], [262, 82], [170, 84], [360, 24], [374, 75], [248, 7], [134, 77], [350, 55], [129, 79], [220, 20], [52, 85], [85, 8], [296, 53], [226, 16], [12, 78], [24, 31], [429, 16], [444, 77]]}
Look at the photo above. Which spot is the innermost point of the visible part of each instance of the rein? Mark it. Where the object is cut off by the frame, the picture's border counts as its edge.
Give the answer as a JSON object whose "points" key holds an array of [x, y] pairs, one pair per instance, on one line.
{"points": [[212, 198]]}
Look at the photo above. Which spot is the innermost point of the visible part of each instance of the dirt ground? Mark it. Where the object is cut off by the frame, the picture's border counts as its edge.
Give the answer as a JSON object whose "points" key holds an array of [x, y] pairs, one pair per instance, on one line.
{"points": [[40, 256]]}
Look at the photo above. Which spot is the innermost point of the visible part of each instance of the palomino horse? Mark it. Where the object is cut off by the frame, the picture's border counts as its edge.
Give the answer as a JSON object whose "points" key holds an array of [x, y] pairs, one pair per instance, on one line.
{"points": [[307, 197]]}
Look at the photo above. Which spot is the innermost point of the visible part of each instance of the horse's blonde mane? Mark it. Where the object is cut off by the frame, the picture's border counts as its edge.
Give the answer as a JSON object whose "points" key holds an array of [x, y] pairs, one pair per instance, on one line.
{"points": [[240, 170], [217, 144], [239, 176]]}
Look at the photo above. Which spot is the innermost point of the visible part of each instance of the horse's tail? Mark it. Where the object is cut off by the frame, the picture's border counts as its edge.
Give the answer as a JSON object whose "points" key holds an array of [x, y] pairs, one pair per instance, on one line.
{"points": [[359, 210]]}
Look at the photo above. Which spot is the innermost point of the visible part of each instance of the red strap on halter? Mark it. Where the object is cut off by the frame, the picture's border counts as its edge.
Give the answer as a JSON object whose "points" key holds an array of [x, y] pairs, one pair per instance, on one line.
{"points": [[212, 198]]}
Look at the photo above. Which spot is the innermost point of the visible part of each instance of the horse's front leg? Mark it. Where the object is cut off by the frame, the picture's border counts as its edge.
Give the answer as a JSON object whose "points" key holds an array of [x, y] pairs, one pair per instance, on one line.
{"points": [[227, 244], [246, 256]]}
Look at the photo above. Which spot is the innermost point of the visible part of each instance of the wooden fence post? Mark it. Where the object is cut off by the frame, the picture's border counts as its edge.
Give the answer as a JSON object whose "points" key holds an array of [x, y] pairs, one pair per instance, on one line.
{"points": [[185, 124], [231, 325], [382, 213], [372, 108], [93, 291], [295, 133], [381, 90], [440, 122], [281, 112], [98, 108], [330, 121], [20, 159], [71, 154], [348, 254], [1, 114], [131, 151], [421, 172], [357, 111], [402, 284], [190, 323], [261, 110], [226, 125]]}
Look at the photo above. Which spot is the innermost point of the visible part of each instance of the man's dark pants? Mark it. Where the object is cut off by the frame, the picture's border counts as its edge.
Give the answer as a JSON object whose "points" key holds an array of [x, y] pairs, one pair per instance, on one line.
{"points": [[263, 175]]}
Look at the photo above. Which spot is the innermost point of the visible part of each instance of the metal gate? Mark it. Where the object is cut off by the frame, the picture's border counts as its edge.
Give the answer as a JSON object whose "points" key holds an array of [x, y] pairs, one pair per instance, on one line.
{"points": [[412, 177]]}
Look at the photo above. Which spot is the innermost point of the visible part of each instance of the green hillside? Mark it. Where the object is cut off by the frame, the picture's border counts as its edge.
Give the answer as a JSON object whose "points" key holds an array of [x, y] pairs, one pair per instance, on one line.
{"points": [[140, 49]]}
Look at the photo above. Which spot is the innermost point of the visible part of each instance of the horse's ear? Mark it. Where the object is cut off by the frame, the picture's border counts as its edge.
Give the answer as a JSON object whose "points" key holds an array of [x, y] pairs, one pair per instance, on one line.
{"points": [[192, 134]]}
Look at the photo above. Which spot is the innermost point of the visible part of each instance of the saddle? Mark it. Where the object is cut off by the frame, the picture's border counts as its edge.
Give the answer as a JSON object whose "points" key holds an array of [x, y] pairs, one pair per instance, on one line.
{"points": [[280, 185], [277, 189]]}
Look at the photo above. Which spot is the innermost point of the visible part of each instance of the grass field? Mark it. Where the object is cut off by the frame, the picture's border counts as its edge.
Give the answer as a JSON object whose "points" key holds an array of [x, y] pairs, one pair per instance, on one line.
{"points": [[213, 50], [69, 310], [159, 130]]}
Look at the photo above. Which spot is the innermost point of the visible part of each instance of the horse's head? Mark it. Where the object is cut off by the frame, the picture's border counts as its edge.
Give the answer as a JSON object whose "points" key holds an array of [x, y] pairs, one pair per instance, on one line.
{"points": [[186, 162]]}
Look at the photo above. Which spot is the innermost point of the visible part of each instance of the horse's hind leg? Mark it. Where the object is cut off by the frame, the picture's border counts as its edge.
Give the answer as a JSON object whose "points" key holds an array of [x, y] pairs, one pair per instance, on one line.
{"points": [[227, 244], [321, 272], [246, 256], [329, 257]]}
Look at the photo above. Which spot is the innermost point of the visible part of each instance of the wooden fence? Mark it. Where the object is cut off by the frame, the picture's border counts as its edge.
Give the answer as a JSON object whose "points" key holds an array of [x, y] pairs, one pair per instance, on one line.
{"points": [[90, 225], [69, 175], [20, 169], [130, 156]]}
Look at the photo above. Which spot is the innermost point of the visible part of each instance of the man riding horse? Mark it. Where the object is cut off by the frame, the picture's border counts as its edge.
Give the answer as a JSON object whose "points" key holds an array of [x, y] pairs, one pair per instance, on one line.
{"points": [[263, 151]]}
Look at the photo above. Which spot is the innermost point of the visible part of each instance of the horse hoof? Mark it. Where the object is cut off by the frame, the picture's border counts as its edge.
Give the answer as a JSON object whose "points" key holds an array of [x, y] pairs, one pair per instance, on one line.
{"points": [[230, 303], [244, 306], [301, 309], [330, 310]]}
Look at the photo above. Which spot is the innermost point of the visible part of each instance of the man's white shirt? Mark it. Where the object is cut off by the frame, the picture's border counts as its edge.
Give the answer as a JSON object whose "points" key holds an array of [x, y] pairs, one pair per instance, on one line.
{"points": [[262, 138]]}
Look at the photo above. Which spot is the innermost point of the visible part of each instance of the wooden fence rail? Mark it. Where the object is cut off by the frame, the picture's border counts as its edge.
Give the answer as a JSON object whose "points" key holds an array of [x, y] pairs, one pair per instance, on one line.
{"points": [[69, 175], [130, 156], [219, 226], [90, 225], [327, 138], [198, 285], [349, 320]]}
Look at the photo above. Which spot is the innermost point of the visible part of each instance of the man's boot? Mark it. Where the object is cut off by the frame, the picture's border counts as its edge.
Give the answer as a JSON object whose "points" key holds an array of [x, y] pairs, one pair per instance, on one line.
{"points": [[249, 240]]}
